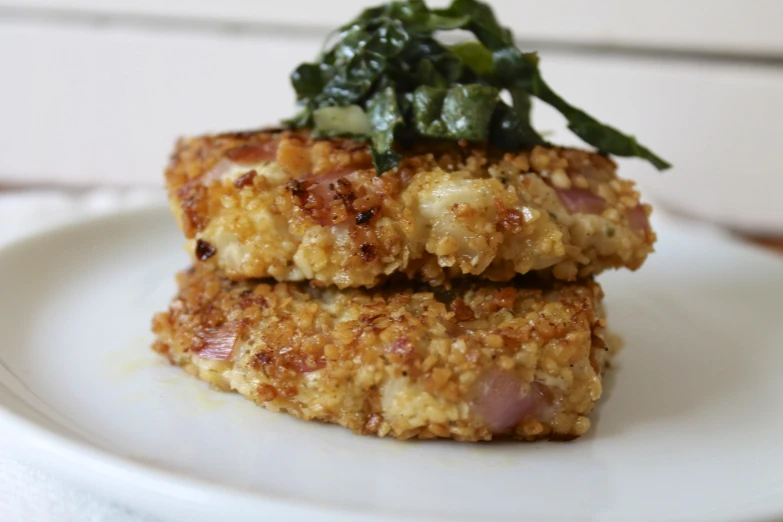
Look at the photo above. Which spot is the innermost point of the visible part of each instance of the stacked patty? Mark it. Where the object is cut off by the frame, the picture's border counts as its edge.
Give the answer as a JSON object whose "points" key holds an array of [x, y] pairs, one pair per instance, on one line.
{"points": [[449, 297], [287, 206]]}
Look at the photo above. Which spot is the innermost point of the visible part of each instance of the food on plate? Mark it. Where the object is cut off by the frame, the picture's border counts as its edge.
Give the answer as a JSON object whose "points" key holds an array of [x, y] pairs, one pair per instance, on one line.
{"points": [[287, 205], [478, 361], [407, 256]]}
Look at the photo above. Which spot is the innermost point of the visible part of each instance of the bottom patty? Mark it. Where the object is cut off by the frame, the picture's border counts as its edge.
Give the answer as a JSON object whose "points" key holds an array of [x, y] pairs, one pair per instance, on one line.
{"points": [[476, 362]]}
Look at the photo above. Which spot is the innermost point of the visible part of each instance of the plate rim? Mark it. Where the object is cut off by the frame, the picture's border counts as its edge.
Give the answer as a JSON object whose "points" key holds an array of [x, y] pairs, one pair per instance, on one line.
{"points": [[28, 436], [144, 477]]}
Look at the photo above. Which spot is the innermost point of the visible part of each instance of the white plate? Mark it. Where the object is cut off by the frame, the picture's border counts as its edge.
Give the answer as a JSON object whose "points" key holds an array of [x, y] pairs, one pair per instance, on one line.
{"points": [[692, 429]]}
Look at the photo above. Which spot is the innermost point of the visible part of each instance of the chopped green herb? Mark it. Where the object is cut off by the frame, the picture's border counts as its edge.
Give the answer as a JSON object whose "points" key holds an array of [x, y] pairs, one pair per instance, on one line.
{"points": [[388, 70]]}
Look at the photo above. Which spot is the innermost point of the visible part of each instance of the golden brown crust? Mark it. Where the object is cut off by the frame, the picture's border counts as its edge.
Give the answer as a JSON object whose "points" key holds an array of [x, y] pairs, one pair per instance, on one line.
{"points": [[478, 361], [282, 204]]}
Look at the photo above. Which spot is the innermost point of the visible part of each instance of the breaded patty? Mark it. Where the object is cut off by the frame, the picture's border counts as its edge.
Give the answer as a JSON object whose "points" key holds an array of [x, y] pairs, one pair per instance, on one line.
{"points": [[478, 361], [281, 204]]}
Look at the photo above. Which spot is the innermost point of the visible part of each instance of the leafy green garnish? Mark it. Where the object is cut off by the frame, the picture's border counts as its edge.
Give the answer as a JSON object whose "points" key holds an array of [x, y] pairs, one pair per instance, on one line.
{"points": [[388, 64], [461, 112], [385, 116]]}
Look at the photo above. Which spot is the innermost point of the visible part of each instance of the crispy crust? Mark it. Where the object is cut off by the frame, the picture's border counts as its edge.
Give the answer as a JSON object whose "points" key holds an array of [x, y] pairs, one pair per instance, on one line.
{"points": [[480, 361], [281, 204]]}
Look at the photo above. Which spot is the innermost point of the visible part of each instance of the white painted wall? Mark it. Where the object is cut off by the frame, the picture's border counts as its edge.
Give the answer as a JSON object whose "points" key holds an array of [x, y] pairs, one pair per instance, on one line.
{"points": [[715, 25], [98, 96]]}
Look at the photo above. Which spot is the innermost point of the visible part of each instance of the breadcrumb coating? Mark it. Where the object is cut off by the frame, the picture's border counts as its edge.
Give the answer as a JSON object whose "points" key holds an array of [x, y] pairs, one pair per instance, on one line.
{"points": [[474, 362], [281, 204]]}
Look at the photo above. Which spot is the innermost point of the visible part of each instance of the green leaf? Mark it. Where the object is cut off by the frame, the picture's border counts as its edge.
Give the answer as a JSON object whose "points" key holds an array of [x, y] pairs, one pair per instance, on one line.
{"points": [[605, 138], [389, 64], [355, 84], [481, 22], [467, 111], [414, 14], [509, 131], [427, 108], [384, 115], [512, 69], [521, 70], [384, 161], [307, 81], [475, 56], [428, 75], [449, 67], [462, 112], [522, 103], [389, 39], [437, 22]]}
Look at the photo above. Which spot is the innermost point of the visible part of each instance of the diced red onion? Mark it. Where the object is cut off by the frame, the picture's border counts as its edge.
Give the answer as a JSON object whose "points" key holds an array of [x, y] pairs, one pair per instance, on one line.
{"points": [[255, 153], [218, 343], [501, 401], [637, 218], [240, 156], [319, 184], [581, 201], [330, 177], [216, 173]]}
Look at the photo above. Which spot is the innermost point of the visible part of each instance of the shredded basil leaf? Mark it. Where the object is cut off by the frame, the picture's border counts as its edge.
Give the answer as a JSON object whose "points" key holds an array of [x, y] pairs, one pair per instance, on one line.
{"points": [[389, 64]]}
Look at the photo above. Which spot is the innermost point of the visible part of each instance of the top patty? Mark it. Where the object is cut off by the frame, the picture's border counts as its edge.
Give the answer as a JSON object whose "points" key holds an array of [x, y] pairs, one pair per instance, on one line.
{"points": [[279, 203]]}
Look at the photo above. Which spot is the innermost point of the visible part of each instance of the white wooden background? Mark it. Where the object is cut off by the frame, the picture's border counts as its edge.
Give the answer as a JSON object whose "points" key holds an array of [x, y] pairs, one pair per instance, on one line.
{"points": [[97, 90], [725, 25]]}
